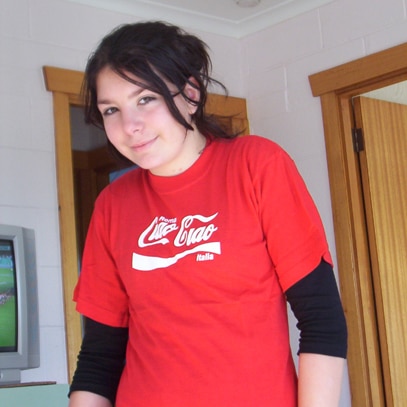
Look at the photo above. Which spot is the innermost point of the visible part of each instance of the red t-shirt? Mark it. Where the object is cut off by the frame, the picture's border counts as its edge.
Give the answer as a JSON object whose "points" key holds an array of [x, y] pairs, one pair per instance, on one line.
{"points": [[196, 266]]}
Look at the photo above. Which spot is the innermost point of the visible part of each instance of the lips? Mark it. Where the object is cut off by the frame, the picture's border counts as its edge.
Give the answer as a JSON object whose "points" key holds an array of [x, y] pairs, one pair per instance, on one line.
{"points": [[143, 145]]}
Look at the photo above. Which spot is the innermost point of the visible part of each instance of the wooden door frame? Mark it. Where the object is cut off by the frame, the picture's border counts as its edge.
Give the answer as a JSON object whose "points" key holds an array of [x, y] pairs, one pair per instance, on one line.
{"points": [[65, 86], [336, 87]]}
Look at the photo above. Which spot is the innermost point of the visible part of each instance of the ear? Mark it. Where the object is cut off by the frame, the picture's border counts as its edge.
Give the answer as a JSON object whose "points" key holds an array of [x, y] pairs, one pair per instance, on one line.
{"points": [[192, 92]]}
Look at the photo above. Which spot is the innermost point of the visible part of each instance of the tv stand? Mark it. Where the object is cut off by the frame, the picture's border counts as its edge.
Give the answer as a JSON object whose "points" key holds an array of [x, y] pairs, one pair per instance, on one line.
{"points": [[9, 385], [37, 394]]}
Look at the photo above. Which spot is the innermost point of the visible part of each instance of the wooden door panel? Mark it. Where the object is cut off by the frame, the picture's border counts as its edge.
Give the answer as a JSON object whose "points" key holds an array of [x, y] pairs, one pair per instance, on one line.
{"points": [[384, 174]]}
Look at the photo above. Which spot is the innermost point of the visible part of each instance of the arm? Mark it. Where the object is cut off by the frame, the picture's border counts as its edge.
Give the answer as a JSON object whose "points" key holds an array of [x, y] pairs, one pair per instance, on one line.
{"points": [[323, 341], [99, 367], [319, 380], [87, 399]]}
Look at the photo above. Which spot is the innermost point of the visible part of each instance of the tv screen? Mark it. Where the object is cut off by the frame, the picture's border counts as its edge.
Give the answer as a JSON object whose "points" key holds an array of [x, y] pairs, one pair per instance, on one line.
{"points": [[19, 322], [8, 300]]}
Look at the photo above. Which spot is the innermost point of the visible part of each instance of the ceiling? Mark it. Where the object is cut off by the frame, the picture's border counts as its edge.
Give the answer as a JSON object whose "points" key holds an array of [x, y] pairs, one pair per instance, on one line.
{"points": [[223, 17]]}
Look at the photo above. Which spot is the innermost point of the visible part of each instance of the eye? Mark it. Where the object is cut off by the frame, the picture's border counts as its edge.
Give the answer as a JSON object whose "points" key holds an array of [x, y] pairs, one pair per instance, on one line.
{"points": [[109, 111], [146, 99]]}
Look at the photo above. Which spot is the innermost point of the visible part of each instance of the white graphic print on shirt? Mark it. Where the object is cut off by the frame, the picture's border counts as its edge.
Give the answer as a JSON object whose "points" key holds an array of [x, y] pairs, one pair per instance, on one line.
{"points": [[192, 230]]}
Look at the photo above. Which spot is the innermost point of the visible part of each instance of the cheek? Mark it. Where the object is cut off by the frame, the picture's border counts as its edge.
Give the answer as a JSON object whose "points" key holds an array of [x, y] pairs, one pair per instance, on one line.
{"points": [[111, 131]]}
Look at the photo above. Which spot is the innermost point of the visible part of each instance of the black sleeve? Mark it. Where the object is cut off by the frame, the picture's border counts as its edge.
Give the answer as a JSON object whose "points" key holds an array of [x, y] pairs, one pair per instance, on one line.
{"points": [[316, 304], [101, 360]]}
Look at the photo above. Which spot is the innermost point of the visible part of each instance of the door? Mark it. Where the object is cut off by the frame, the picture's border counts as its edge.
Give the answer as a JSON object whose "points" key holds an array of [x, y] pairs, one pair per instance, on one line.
{"points": [[383, 163]]}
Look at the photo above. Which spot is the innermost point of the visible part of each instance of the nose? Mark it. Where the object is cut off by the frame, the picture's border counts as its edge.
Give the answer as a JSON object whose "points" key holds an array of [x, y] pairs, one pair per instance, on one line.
{"points": [[132, 122]]}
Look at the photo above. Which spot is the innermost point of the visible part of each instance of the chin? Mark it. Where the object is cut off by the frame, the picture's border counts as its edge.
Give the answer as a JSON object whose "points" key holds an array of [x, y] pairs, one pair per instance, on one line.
{"points": [[153, 167]]}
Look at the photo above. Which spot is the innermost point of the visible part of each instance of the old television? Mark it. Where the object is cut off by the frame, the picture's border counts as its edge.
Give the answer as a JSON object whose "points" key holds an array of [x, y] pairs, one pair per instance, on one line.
{"points": [[19, 322]]}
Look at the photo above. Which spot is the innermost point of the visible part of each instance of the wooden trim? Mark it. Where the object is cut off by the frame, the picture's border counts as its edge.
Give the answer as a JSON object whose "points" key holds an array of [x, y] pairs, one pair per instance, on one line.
{"points": [[352, 253], [69, 254], [336, 87], [229, 105], [364, 73], [63, 80]]}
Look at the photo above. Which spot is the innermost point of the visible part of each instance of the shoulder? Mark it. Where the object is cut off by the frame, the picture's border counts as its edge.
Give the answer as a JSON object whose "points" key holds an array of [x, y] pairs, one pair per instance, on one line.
{"points": [[256, 151], [120, 187], [253, 144]]}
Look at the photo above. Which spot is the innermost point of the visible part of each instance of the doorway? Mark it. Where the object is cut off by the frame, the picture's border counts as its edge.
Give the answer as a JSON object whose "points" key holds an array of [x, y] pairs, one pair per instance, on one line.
{"points": [[365, 289]]}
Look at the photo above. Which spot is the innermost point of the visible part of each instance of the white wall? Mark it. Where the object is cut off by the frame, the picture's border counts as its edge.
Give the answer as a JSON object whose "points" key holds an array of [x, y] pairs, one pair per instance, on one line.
{"points": [[270, 68]]}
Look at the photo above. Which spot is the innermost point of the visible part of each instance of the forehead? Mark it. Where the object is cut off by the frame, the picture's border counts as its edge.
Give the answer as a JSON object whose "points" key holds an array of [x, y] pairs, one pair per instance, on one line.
{"points": [[107, 78]]}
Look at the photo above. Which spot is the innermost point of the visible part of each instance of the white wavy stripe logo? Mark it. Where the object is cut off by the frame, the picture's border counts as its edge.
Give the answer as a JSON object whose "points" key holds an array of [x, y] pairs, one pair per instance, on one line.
{"points": [[148, 263]]}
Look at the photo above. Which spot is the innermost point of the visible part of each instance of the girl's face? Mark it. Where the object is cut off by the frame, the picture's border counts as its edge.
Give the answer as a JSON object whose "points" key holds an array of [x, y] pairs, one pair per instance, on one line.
{"points": [[138, 123]]}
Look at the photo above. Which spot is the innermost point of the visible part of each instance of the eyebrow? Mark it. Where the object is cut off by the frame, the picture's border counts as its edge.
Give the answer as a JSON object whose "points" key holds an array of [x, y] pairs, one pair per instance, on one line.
{"points": [[131, 95]]}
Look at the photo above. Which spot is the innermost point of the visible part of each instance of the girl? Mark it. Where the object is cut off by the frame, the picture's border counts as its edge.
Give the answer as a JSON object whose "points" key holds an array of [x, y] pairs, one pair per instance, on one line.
{"points": [[190, 258]]}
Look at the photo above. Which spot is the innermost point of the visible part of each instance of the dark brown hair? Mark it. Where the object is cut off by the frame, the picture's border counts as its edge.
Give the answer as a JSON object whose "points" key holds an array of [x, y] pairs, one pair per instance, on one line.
{"points": [[155, 52]]}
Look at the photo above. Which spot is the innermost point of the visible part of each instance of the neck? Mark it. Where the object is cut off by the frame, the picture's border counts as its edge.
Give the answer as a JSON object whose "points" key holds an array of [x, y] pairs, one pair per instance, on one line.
{"points": [[193, 146]]}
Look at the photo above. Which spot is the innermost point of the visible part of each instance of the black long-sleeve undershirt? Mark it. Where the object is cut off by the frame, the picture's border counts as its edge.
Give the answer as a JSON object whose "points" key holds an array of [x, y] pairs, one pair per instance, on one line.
{"points": [[101, 360], [316, 304]]}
